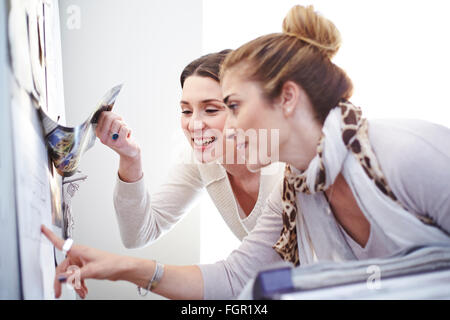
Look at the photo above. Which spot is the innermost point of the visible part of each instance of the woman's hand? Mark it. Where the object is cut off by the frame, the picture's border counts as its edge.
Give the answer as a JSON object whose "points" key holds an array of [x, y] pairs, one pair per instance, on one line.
{"points": [[130, 167], [109, 124], [178, 282], [84, 263]]}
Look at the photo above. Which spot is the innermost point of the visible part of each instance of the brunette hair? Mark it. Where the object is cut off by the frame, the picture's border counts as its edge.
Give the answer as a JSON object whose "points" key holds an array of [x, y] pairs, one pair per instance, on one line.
{"points": [[205, 66], [301, 53]]}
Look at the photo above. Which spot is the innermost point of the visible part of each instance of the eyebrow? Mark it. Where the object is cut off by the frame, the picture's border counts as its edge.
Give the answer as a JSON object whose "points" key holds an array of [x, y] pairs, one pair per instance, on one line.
{"points": [[227, 98], [203, 101]]}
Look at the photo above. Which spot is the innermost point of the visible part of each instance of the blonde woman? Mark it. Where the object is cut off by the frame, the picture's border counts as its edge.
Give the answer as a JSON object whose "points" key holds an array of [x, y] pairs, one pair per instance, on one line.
{"points": [[353, 188]]}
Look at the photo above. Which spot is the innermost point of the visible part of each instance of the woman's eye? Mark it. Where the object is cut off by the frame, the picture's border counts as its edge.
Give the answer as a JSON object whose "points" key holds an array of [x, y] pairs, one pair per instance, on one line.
{"points": [[211, 110], [232, 106], [186, 112]]}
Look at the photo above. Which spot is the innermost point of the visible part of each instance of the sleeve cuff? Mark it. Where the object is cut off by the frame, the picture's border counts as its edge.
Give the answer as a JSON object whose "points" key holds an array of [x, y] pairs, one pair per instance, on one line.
{"points": [[130, 189]]}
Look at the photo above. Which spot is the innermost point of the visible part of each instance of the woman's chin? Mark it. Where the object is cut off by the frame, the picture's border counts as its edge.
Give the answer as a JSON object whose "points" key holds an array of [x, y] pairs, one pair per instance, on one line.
{"points": [[204, 157], [254, 167], [257, 167]]}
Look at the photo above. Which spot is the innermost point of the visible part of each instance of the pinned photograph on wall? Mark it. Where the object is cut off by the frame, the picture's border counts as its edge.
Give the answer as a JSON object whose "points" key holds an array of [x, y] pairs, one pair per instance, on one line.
{"points": [[66, 145]]}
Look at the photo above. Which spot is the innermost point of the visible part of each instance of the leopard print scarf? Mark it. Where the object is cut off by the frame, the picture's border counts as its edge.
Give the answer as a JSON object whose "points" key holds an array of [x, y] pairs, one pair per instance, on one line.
{"points": [[354, 130]]}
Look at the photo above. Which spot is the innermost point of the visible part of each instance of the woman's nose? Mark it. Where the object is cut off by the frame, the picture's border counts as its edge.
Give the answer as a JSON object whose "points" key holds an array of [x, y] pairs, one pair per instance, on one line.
{"points": [[230, 134], [229, 129], [196, 123], [230, 123]]}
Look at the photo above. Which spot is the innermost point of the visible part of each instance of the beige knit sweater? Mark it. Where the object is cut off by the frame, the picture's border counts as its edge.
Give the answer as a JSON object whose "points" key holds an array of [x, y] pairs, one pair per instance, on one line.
{"points": [[143, 218]]}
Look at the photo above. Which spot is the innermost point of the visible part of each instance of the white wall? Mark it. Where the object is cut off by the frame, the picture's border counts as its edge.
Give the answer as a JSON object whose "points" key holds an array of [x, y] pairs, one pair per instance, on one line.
{"points": [[396, 52], [145, 45]]}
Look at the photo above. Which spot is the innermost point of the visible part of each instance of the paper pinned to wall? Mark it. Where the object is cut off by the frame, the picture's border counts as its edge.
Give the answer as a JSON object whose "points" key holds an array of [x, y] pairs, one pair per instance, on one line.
{"points": [[37, 188], [53, 62], [20, 50], [33, 198], [35, 39]]}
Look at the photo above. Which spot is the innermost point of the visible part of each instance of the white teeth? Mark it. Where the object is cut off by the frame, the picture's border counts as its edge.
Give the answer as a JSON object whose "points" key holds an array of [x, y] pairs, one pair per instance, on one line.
{"points": [[204, 141]]}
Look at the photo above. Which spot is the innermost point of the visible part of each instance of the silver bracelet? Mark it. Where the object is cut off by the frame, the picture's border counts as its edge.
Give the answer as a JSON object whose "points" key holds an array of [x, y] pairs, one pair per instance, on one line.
{"points": [[156, 278]]}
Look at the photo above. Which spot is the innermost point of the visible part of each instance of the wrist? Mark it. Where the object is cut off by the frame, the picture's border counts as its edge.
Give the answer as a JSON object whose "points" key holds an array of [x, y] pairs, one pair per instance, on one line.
{"points": [[130, 167], [137, 271], [132, 157], [123, 267]]}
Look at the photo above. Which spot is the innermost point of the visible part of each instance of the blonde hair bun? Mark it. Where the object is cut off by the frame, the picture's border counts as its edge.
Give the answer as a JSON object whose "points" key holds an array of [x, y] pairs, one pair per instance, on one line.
{"points": [[312, 28]]}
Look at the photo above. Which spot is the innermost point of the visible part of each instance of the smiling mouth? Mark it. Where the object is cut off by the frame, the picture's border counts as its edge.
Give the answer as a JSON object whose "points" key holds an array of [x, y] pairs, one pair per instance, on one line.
{"points": [[203, 142]]}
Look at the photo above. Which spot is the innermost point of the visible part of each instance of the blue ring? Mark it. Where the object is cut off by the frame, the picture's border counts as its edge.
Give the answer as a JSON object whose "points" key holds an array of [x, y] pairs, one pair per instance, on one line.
{"points": [[115, 136]]}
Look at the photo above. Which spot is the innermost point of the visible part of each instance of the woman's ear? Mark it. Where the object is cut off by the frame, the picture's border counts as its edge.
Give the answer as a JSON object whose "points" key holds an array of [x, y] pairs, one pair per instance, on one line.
{"points": [[289, 98]]}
